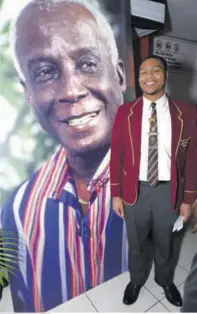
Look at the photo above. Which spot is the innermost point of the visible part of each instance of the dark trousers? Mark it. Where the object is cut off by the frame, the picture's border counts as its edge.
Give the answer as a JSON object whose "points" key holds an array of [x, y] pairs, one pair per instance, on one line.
{"points": [[149, 229]]}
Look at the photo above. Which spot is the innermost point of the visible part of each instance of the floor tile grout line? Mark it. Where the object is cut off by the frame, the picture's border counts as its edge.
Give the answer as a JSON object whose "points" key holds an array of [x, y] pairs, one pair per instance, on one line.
{"points": [[92, 303], [151, 306], [181, 284], [183, 268], [165, 307], [153, 294]]}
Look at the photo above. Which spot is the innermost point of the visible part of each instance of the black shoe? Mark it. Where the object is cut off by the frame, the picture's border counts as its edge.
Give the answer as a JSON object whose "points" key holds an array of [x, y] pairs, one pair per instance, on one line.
{"points": [[173, 295], [131, 293]]}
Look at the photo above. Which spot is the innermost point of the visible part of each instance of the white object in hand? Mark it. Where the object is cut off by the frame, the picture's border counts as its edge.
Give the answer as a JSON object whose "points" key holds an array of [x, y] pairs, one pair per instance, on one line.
{"points": [[178, 225]]}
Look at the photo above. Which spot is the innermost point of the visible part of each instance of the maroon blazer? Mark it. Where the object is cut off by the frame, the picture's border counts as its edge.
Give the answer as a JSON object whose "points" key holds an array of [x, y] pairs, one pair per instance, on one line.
{"points": [[126, 146]]}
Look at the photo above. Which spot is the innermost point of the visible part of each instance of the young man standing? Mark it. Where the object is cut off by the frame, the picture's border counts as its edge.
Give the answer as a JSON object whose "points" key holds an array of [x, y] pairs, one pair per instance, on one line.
{"points": [[154, 178]]}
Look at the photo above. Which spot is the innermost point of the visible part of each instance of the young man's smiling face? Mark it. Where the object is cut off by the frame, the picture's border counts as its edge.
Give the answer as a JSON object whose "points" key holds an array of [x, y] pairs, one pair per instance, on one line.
{"points": [[152, 77], [69, 77]]}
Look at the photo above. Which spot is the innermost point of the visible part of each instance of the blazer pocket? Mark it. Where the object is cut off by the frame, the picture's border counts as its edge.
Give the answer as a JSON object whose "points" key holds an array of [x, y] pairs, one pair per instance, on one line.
{"points": [[184, 143]]}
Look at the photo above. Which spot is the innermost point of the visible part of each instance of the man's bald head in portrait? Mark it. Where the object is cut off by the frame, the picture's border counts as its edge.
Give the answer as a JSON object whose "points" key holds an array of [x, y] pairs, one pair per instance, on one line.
{"points": [[67, 58]]}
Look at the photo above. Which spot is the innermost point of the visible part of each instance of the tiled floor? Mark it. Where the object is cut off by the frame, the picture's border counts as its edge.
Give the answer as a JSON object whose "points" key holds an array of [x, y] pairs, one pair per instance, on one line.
{"points": [[108, 296]]}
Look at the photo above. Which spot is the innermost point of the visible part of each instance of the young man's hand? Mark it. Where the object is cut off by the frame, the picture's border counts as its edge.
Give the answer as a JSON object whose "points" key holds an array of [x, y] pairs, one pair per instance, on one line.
{"points": [[118, 206], [185, 211]]}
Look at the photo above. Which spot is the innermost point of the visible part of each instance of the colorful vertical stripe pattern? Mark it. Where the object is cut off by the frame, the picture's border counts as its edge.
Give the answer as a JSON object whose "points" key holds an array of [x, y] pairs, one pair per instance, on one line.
{"points": [[67, 253]]}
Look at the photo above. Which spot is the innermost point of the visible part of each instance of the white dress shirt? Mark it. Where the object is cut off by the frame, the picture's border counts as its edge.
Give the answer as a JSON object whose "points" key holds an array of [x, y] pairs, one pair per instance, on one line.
{"points": [[164, 138]]}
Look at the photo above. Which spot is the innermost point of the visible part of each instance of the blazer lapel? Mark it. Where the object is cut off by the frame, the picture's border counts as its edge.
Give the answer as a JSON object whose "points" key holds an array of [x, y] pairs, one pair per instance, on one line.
{"points": [[134, 128], [177, 126]]}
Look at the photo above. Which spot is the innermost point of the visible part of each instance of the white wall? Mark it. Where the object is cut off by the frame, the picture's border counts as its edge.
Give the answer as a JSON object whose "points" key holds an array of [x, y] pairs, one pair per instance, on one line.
{"points": [[181, 56], [183, 18]]}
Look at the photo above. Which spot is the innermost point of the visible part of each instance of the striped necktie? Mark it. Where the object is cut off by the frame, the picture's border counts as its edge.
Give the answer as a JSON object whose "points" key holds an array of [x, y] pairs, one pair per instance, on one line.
{"points": [[152, 175]]}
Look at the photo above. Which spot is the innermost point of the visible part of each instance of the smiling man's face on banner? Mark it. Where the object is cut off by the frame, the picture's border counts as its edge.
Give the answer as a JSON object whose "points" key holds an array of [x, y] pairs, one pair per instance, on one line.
{"points": [[71, 79], [67, 58]]}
